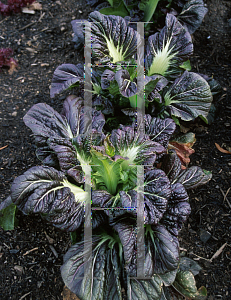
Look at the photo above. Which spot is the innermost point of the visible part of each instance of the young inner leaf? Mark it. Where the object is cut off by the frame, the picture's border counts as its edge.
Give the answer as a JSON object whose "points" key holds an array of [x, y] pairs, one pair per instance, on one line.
{"points": [[162, 60]]}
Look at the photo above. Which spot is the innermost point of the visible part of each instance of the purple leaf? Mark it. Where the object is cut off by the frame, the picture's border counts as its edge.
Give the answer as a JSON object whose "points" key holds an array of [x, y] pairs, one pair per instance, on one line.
{"points": [[65, 76]]}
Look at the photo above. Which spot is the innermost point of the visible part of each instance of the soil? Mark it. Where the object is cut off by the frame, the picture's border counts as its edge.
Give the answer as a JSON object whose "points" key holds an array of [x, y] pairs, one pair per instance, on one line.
{"points": [[31, 255]]}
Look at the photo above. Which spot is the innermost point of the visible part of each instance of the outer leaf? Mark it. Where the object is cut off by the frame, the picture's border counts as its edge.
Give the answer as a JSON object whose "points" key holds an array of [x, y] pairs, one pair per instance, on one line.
{"points": [[45, 122], [163, 249], [67, 157], [7, 217], [188, 97], [101, 198], [186, 285], [105, 272], [144, 289], [103, 104], [78, 29], [72, 271], [188, 264], [5, 203], [46, 191], [171, 165], [112, 38], [167, 50], [65, 76], [192, 14], [72, 113], [178, 209], [169, 293], [193, 177], [159, 130], [112, 288], [128, 237]]}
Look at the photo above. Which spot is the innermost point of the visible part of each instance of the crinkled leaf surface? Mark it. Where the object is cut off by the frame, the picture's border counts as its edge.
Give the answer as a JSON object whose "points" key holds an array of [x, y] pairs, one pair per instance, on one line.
{"points": [[154, 87], [162, 249], [65, 76], [178, 209], [105, 272], [159, 130], [144, 289], [67, 157], [171, 165], [106, 78], [168, 49], [193, 177], [138, 148], [47, 191], [45, 122], [192, 15], [157, 191], [188, 97], [128, 238], [112, 38]]}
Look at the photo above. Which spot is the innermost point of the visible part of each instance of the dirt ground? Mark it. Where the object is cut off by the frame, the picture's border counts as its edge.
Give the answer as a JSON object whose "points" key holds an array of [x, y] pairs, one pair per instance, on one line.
{"points": [[31, 255]]}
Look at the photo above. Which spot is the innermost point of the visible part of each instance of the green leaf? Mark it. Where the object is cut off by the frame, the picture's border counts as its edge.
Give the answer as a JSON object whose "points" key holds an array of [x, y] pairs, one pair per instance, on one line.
{"points": [[110, 149], [114, 88], [176, 120], [149, 8], [116, 11], [185, 284], [186, 65], [106, 172], [7, 217]]}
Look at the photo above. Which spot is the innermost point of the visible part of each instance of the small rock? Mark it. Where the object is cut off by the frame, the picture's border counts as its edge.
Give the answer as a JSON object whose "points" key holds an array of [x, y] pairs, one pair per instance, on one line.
{"points": [[18, 269], [204, 235], [229, 22], [14, 114], [80, 11]]}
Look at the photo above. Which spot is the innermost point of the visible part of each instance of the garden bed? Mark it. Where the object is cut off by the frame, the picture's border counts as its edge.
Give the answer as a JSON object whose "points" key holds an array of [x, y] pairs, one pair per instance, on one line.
{"points": [[31, 255]]}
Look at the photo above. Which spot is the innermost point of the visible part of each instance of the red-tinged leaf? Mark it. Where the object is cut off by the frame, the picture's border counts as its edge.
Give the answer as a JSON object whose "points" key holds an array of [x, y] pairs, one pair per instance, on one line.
{"points": [[183, 146], [221, 149], [6, 60]]}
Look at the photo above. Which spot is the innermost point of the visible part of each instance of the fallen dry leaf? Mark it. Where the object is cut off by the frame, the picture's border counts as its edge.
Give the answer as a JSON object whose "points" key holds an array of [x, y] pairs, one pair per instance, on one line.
{"points": [[68, 295], [183, 149], [35, 6], [13, 66], [221, 149]]}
